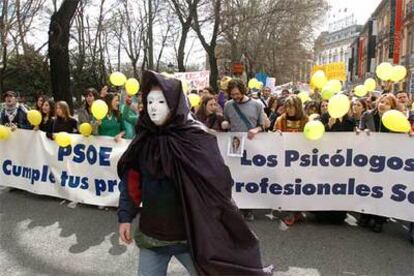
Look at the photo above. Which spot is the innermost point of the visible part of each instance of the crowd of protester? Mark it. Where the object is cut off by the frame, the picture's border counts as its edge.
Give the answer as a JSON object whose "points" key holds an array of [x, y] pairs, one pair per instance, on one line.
{"points": [[234, 109]]}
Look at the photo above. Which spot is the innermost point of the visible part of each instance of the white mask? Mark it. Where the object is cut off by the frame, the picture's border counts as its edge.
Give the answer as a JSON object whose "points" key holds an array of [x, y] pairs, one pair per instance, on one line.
{"points": [[157, 107]]}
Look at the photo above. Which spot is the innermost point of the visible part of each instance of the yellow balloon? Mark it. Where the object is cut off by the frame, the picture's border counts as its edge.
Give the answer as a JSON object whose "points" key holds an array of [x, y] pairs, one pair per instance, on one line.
{"points": [[195, 100], [132, 86], [319, 79], [5, 132], [370, 84], [314, 130], [85, 129], [304, 96], [117, 78], [99, 109], [398, 73], [63, 139], [338, 106], [384, 71], [360, 90], [252, 83], [396, 121], [34, 117], [336, 85], [331, 88], [259, 85]]}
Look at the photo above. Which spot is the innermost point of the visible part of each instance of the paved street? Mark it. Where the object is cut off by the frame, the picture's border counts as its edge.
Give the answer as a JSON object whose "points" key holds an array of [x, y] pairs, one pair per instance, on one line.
{"points": [[39, 236]]}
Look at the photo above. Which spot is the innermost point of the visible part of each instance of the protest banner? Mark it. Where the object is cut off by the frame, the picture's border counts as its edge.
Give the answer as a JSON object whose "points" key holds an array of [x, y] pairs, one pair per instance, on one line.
{"points": [[341, 171], [196, 80]]}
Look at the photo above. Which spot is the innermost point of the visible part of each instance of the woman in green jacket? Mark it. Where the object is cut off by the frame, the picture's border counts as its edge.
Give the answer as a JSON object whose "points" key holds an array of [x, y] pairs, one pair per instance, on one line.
{"points": [[112, 125], [129, 117]]}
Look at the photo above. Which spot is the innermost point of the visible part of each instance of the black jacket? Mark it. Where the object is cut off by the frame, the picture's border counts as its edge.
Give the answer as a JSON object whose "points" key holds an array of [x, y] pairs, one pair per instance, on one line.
{"points": [[20, 120], [347, 123]]}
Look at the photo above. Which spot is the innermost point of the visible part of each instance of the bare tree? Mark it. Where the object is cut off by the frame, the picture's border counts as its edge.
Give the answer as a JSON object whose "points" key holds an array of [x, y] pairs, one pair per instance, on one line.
{"points": [[128, 30], [210, 47], [185, 11], [271, 35]]}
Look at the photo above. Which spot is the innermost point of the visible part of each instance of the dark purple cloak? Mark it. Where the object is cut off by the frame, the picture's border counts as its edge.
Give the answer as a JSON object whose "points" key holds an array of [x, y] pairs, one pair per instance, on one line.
{"points": [[220, 241]]}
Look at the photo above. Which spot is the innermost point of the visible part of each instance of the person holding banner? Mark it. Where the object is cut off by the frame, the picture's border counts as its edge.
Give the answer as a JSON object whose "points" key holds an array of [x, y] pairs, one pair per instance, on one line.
{"points": [[243, 114], [175, 169], [63, 122], [48, 114], [112, 125], [129, 117], [371, 121], [404, 99], [293, 120], [323, 107], [14, 115], [359, 106], [85, 113]]}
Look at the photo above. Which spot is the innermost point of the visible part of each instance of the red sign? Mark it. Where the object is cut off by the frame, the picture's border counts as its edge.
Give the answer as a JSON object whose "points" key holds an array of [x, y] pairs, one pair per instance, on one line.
{"points": [[238, 68], [361, 49], [397, 32]]}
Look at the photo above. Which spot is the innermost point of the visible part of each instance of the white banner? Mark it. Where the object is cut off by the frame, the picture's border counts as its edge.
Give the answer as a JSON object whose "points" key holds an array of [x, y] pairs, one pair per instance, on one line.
{"points": [[342, 171], [196, 80]]}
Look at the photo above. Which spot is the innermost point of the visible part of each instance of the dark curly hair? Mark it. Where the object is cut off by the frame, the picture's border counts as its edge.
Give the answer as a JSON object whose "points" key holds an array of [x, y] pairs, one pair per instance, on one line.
{"points": [[235, 83]]}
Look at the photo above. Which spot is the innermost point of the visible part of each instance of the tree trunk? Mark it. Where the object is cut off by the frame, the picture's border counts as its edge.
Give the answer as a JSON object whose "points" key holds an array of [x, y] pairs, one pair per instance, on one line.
{"points": [[213, 69], [181, 48], [59, 31], [150, 37]]}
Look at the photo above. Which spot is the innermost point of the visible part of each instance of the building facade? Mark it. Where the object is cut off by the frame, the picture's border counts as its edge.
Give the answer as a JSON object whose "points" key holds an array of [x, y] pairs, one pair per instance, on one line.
{"points": [[407, 41], [335, 45], [362, 60]]}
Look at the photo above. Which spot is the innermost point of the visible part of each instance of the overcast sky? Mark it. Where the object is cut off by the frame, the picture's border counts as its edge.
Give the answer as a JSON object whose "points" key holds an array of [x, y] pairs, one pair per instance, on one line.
{"points": [[362, 9]]}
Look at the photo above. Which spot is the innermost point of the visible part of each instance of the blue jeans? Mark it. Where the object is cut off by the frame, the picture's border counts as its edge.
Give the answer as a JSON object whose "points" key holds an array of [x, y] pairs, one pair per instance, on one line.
{"points": [[154, 262]]}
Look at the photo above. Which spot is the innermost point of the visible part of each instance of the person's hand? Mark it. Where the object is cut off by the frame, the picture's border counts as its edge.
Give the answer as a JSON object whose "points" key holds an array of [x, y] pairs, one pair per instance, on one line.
{"points": [[117, 139], [13, 127], [36, 128], [331, 122], [278, 131], [368, 132], [411, 133], [225, 125], [252, 133], [125, 232], [98, 122], [357, 131]]}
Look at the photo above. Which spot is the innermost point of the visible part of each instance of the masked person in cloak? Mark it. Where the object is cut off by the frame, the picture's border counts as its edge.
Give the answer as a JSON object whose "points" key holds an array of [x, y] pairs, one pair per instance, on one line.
{"points": [[175, 169]]}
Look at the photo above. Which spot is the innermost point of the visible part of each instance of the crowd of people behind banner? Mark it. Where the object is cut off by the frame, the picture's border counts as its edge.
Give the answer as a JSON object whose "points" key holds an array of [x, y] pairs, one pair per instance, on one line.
{"points": [[234, 109]]}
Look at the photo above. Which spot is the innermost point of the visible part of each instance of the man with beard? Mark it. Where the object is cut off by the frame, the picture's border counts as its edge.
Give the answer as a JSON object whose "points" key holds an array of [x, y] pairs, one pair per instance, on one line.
{"points": [[243, 114]]}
